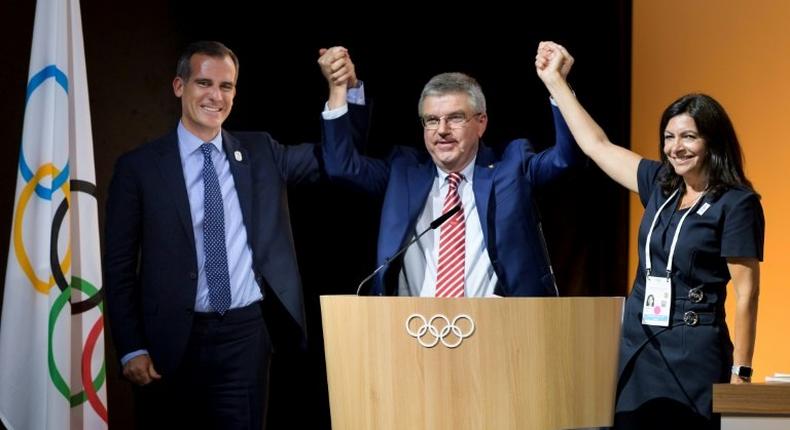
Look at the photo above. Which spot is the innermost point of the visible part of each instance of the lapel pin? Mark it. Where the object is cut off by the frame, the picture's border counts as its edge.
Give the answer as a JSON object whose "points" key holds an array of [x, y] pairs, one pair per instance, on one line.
{"points": [[237, 155]]}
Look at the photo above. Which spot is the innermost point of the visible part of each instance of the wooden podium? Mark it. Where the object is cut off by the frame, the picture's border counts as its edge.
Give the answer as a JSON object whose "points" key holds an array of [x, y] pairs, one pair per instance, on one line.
{"points": [[507, 363], [756, 406]]}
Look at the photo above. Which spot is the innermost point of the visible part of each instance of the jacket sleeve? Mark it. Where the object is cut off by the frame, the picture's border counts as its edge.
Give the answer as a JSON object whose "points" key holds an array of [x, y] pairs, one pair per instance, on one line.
{"points": [[341, 141], [549, 164], [122, 247]]}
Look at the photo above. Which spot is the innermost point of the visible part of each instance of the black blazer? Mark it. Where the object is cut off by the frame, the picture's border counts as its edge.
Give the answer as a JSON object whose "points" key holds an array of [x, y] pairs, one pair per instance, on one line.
{"points": [[150, 263]]}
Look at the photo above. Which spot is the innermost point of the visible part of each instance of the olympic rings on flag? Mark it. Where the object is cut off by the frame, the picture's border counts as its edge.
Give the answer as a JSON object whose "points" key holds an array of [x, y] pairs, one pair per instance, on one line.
{"points": [[19, 247]]}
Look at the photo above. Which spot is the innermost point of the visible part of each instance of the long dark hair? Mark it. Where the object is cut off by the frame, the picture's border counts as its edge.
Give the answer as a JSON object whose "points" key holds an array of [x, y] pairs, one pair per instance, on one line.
{"points": [[723, 160]]}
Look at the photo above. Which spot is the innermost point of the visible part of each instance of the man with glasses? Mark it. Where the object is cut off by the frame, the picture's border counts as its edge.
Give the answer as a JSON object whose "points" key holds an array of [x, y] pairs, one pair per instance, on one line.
{"points": [[494, 244]]}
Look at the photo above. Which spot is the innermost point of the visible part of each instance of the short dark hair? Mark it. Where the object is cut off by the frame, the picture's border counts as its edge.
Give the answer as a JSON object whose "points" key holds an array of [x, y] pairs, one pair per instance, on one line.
{"points": [[724, 158], [205, 47]]}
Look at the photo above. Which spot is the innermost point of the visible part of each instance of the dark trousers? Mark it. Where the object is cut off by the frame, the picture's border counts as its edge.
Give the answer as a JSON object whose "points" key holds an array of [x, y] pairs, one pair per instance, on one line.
{"points": [[222, 382], [664, 414]]}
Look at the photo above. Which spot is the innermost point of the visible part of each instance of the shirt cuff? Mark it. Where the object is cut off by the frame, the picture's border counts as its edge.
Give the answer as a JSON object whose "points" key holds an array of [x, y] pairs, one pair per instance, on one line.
{"points": [[125, 359], [330, 114], [356, 95]]}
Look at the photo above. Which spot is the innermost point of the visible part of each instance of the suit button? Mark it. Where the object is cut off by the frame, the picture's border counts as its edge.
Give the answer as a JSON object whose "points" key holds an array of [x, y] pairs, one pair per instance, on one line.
{"points": [[691, 318], [192, 275]]}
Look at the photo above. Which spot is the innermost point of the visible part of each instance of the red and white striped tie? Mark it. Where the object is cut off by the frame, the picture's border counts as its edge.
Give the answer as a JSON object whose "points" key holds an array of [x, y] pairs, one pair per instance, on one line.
{"points": [[452, 245]]}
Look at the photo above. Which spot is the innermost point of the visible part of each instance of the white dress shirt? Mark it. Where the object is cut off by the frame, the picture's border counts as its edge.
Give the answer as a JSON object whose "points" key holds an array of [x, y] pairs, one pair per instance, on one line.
{"points": [[418, 275]]}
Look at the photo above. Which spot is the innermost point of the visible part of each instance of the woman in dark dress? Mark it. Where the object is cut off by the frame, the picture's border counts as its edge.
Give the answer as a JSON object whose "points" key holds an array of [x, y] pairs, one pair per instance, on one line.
{"points": [[704, 225]]}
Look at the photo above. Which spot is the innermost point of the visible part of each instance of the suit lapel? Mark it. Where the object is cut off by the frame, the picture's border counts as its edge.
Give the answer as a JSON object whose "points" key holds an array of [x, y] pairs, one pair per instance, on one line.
{"points": [[420, 182], [239, 161], [483, 180], [396, 228], [169, 164], [411, 197]]}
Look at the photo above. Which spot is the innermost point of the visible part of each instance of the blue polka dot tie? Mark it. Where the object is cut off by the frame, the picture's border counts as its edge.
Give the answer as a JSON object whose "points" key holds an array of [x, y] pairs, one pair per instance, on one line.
{"points": [[216, 253]]}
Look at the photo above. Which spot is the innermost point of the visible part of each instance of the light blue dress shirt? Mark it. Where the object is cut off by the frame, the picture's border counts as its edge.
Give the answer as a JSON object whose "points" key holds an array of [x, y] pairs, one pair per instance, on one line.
{"points": [[243, 288]]}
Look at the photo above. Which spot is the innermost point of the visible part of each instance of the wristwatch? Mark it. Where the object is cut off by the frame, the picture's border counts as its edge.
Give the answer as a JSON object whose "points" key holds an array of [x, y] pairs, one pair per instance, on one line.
{"points": [[742, 371]]}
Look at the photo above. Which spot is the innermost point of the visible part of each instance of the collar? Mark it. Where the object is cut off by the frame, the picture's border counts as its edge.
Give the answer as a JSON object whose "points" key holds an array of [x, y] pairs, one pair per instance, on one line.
{"points": [[188, 143], [467, 173]]}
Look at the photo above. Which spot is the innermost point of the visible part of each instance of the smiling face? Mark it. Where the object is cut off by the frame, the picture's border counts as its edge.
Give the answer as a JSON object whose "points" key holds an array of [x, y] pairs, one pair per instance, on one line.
{"points": [[452, 149], [207, 95], [685, 149]]}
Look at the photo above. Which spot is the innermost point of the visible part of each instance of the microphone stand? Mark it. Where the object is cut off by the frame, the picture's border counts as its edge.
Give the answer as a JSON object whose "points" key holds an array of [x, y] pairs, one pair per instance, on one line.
{"points": [[434, 225]]}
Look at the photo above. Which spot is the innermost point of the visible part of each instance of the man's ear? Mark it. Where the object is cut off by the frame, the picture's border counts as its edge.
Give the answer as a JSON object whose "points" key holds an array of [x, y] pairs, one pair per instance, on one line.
{"points": [[483, 125], [178, 86]]}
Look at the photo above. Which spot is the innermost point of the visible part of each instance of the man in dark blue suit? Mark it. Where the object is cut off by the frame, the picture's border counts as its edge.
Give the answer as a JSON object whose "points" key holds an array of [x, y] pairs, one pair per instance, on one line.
{"points": [[200, 261], [494, 245]]}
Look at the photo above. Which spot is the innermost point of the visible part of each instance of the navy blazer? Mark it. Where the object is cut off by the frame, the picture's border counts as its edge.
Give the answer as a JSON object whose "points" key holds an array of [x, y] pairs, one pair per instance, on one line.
{"points": [[150, 262], [503, 188]]}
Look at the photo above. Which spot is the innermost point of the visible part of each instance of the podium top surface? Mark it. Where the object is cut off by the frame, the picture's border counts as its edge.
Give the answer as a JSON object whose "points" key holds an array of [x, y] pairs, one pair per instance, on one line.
{"points": [[754, 399]]}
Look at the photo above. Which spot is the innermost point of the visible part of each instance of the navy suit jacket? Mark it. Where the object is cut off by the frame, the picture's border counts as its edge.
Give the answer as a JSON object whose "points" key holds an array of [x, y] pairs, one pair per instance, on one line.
{"points": [[503, 188], [150, 262]]}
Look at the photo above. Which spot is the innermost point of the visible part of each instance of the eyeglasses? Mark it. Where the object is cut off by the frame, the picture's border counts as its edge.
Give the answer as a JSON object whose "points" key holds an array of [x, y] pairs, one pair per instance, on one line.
{"points": [[454, 120]]}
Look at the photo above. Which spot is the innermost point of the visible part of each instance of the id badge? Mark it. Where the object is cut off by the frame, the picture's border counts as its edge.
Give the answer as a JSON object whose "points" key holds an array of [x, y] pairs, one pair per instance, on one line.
{"points": [[658, 299]]}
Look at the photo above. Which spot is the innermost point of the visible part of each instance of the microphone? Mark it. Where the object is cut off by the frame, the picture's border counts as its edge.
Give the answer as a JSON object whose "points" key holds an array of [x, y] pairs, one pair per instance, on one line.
{"points": [[433, 226]]}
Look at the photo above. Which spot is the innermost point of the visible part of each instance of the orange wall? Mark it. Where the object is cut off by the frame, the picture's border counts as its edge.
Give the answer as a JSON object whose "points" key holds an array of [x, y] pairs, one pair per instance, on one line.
{"points": [[738, 51]]}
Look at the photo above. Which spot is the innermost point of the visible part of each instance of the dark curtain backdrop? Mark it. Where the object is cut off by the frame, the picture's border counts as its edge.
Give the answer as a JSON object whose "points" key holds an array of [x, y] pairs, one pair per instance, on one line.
{"points": [[131, 50]]}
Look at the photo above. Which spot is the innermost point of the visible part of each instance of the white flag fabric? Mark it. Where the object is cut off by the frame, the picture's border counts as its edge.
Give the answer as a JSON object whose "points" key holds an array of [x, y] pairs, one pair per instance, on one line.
{"points": [[52, 372]]}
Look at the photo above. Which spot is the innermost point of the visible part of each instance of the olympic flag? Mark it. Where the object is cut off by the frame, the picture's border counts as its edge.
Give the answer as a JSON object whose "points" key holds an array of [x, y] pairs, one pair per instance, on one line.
{"points": [[52, 373]]}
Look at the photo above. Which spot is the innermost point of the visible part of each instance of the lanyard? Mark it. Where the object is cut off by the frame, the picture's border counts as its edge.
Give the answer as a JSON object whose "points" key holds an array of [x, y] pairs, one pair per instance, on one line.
{"points": [[648, 264]]}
